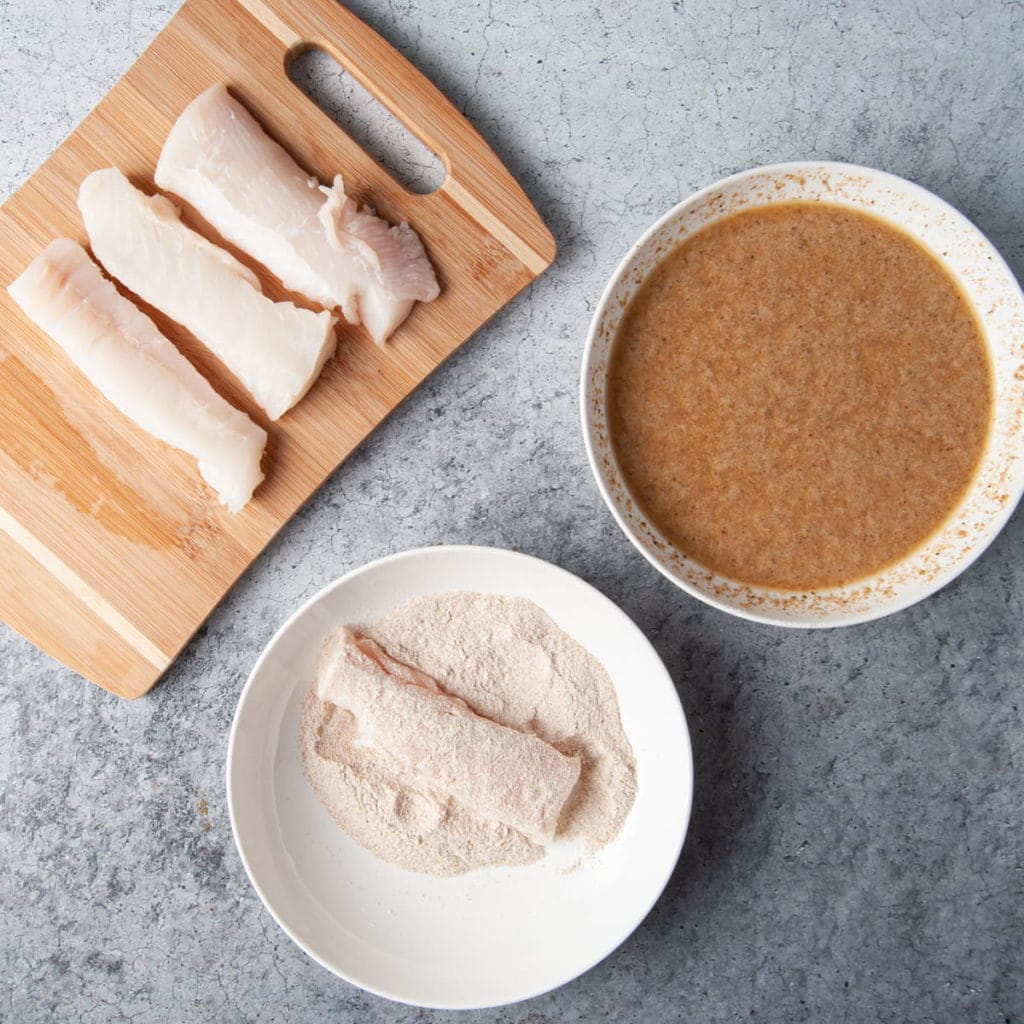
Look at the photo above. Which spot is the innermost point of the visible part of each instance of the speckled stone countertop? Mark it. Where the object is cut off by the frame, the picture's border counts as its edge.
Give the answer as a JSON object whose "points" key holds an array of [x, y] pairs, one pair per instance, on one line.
{"points": [[857, 850]]}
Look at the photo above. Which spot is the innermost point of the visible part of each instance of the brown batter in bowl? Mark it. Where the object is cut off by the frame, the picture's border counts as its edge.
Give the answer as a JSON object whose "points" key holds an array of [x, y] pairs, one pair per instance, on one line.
{"points": [[798, 395]]}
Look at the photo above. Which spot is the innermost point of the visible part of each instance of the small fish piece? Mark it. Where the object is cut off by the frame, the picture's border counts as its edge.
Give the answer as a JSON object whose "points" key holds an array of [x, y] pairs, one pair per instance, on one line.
{"points": [[498, 773], [396, 271], [126, 358], [275, 349], [316, 240]]}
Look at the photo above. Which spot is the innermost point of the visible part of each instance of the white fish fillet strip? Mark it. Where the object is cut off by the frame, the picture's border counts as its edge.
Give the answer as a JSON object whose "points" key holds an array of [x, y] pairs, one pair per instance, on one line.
{"points": [[275, 349], [497, 773], [218, 158], [124, 355], [395, 270]]}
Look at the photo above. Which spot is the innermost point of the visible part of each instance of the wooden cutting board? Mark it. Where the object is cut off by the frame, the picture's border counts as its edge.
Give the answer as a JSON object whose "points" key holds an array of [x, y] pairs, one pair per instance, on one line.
{"points": [[112, 551]]}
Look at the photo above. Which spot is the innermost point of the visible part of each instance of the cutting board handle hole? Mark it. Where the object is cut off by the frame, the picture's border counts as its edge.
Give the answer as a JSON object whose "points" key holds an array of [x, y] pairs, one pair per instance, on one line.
{"points": [[354, 110]]}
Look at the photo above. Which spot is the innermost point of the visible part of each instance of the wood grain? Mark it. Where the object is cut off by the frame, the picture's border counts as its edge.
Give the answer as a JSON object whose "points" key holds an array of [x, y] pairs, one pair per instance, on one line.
{"points": [[112, 550]]}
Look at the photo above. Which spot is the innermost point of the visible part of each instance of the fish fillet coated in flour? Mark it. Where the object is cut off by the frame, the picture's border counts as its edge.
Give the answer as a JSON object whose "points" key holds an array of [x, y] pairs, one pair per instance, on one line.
{"points": [[275, 349], [497, 773], [316, 240], [126, 358]]}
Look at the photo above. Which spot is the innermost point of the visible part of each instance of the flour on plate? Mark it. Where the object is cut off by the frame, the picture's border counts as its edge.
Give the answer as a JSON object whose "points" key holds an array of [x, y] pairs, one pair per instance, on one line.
{"points": [[509, 661]]}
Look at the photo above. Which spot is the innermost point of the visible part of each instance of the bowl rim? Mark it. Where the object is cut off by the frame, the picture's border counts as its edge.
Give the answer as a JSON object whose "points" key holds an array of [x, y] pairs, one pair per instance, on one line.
{"points": [[755, 614]]}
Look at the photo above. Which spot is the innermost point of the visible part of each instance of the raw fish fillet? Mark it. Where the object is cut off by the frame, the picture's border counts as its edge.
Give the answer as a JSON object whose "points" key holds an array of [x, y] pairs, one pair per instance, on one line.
{"points": [[396, 270], [121, 352], [219, 159], [497, 773], [275, 349]]}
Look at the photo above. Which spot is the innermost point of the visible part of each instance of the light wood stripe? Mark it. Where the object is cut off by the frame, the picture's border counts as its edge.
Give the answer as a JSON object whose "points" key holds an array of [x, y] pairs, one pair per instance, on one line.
{"points": [[77, 586], [271, 21], [534, 261]]}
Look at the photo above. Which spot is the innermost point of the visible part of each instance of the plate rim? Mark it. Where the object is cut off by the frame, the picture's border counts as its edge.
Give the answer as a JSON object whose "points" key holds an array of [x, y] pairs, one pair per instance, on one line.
{"points": [[665, 679]]}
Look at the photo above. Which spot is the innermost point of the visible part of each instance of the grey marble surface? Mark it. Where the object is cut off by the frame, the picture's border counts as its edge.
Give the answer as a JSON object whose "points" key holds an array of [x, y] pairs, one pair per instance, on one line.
{"points": [[857, 850]]}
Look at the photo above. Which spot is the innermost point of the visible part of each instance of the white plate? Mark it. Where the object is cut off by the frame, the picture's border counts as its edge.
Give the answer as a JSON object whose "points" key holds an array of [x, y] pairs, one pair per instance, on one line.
{"points": [[990, 285], [495, 935]]}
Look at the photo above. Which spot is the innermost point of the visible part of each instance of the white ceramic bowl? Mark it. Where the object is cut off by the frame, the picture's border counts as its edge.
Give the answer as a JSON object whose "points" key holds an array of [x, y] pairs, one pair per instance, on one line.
{"points": [[996, 297], [495, 935]]}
